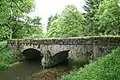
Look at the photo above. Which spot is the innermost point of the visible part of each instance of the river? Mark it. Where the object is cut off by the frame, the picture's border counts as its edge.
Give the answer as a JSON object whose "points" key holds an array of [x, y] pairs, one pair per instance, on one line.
{"points": [[32, 70]]}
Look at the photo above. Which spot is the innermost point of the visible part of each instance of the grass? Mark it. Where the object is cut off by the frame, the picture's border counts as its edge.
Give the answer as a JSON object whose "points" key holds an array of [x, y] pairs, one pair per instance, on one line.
{"points": [[6, 56], [105, 68]]}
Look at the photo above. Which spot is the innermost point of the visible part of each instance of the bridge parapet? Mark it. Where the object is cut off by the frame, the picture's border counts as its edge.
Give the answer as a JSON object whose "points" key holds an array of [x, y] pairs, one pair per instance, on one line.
{"points": [[67, 41]]}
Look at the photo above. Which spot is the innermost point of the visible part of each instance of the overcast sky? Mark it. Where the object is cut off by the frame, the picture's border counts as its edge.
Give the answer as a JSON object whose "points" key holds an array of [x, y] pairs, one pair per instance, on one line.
{"points": [[45, 8]]}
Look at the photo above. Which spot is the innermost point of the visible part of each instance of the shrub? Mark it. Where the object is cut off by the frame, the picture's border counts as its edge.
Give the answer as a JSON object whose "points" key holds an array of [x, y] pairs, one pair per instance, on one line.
{"points": [[6, 56], [105, 68]]}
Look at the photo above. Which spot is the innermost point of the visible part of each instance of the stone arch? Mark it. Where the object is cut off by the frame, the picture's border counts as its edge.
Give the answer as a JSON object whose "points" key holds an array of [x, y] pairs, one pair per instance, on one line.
{"points": [[31, 53], [49, 61], [61, 56]]}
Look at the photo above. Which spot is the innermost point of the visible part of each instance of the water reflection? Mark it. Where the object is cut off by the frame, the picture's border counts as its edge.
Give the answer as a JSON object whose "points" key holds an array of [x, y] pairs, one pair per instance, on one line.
{"points": [[32, 70]]}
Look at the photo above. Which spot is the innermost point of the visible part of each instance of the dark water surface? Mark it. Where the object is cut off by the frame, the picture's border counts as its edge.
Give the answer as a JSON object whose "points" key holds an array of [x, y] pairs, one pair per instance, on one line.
{"points": [[32, 70]]}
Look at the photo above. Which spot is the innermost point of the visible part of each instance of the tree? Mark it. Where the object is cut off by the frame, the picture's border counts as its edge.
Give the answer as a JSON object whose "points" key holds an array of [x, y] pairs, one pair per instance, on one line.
{"points": [[14, 9], [26, 27], [91, 9], [109, 17], [51, 19], [52, 31], [69, 23], [11, 11], [23, 27], [35, 27]]}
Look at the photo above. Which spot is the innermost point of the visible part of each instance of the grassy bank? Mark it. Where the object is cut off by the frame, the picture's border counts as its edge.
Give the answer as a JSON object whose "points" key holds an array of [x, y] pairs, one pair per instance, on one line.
{"points": [[6, 56], [105, 68]]}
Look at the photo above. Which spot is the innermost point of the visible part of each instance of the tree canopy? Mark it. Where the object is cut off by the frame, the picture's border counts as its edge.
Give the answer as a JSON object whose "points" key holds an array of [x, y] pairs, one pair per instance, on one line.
{"points": [[51, 19], [91, 9], [69, 23], [109, 17], [14, 21]]}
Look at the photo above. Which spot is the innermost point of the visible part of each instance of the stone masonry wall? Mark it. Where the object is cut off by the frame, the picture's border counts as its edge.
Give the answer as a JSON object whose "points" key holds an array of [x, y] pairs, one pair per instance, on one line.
{"points": [[90, 47], [67, 41]]}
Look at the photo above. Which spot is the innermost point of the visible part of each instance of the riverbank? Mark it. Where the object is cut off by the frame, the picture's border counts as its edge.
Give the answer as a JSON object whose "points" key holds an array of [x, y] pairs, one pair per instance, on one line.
{"points": [[105, 68], [6, 56]]}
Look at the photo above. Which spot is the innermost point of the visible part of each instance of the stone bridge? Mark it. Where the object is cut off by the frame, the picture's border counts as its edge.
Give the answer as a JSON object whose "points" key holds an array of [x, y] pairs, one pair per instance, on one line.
{"points": [[77, 48]]}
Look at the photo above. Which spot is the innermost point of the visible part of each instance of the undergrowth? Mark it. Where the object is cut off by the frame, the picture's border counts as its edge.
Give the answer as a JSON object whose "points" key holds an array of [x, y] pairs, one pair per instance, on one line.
{"points": [[105, 68], [6, 56]]}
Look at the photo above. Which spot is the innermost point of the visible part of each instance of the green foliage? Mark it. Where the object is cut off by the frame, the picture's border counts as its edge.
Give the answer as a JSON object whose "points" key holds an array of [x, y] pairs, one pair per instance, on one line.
{"points": [[68, 24], [21, 28], [6, 56], [14, 8], [3, 33], [38, 35], [47, 60], [109, 17], [105, 68], [52, 31], [102, 17], [50, 20], [26, 28], [13, 20], [91, 9]]}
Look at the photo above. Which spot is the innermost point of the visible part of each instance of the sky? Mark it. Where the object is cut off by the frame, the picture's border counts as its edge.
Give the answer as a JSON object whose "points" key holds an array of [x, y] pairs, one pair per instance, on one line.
{"points": [[45, 8]]}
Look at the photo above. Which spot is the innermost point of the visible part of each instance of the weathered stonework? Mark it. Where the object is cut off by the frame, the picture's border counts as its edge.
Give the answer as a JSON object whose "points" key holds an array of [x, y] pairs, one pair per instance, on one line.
{"points": [[89, 47]]}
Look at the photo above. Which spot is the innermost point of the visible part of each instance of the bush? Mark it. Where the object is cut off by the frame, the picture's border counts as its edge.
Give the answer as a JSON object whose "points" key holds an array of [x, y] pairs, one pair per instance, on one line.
{"points": [[105, 68], [6, 56]]}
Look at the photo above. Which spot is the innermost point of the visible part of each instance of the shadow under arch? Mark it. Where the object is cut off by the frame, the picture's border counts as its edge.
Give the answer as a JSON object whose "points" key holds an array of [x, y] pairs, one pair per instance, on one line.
{"points": [[32, 54], [62, 55]]}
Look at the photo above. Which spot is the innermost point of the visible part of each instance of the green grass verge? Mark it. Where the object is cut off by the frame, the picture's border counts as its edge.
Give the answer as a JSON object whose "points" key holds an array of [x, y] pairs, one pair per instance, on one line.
{"points": [[6, 56], [105, 68]]}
